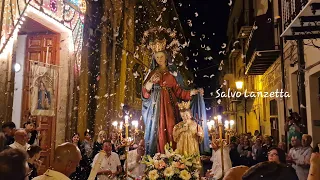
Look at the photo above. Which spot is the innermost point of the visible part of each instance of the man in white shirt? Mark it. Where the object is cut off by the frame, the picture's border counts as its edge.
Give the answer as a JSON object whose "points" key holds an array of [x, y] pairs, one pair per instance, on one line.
{"points": [[21, 139], [135, 167], [216, 172], [110, 165], [66, 159]]}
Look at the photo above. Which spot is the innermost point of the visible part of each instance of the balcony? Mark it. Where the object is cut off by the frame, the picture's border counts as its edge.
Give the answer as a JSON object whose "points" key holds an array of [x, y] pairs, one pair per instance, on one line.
{"points": [[301, 19], [261, 50]]}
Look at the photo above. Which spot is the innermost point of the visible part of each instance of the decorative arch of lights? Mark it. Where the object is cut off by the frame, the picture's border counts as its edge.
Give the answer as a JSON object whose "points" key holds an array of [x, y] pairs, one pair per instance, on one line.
{"points": [[69, 13]]}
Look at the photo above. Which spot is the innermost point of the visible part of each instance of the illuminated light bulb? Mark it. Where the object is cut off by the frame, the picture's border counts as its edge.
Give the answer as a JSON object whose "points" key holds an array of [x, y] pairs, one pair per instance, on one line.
{"points": [[17, 67], [135, 124], [226, 124], [126, 119], [219, 119], [115, 123], [231, 123]]}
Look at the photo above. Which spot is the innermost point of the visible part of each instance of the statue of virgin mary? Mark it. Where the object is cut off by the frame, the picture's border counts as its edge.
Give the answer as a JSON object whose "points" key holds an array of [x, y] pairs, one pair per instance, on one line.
{"points": [[160, 93]]}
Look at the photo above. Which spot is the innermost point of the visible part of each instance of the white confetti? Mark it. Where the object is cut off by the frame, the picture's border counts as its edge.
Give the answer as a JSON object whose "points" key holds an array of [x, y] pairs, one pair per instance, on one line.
{"points": [[224, 45], [189, 22], [206, 76], [174, 74], [193, 34], [164, 1], [195, 54], [136, 74], [211, 94], [140, 7], [236, 42], [219, 101], [230, 3], [208, 48], [211, 75], [208, 108], [159, 17], [196, 14], [175, 18], [180, 4], [181, 63], [164, 9]]}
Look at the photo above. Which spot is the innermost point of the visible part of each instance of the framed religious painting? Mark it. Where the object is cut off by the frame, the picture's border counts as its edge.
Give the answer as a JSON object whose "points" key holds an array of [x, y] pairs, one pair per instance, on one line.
{"points": [[43, 90]]}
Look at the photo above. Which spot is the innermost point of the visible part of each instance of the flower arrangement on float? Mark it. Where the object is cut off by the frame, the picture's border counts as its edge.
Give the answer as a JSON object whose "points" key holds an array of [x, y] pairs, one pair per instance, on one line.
{"points": [[171, 166]]}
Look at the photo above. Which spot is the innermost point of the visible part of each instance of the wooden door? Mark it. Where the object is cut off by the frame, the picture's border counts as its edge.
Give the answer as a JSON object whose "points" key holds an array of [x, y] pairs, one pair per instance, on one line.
{"points": [[41, 50]]}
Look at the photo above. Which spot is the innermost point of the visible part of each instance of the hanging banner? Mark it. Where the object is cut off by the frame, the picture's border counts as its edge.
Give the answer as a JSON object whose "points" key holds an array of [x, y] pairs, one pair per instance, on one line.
{"points": [[43, 85]]}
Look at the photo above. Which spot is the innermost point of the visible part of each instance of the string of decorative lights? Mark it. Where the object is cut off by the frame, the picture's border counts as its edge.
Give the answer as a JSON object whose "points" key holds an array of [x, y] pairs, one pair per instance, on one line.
{"points": [[61, 13]]}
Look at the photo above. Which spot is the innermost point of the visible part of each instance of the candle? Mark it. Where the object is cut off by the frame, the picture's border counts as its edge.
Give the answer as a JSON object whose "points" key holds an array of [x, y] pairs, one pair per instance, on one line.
{"points": [[219, 119], [121, 125], [226, 124], [231, 124], [115, 124], [135, 124], [210, 124], [126, 119]]}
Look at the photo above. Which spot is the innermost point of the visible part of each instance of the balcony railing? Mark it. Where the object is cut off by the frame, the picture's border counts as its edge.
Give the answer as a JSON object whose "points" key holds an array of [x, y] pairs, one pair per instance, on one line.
{"points": [[290, 9]]}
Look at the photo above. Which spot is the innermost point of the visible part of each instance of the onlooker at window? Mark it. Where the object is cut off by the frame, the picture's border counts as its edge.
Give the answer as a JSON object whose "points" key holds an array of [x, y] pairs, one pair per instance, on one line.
{"points": [[13, 165], [33, 160], [9, 128], [292, 127]]}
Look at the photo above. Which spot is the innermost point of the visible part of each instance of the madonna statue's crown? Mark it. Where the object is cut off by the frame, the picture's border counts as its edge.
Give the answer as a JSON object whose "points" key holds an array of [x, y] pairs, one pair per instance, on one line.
{"points": [[158, 45], [184, 105]]}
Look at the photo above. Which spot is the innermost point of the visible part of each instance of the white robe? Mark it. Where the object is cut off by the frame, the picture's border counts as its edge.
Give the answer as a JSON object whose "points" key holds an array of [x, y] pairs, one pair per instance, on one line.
{"points": [[217, 166]]}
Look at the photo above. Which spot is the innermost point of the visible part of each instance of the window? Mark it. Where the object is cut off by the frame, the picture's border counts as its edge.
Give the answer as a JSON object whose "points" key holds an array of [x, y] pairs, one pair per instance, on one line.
{"points": [[273, 108]]}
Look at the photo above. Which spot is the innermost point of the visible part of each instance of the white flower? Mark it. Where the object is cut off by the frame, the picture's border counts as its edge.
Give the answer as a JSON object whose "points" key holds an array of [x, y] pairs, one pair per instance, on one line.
{"points": [[168, 172], [153, 175], [185, 175]]}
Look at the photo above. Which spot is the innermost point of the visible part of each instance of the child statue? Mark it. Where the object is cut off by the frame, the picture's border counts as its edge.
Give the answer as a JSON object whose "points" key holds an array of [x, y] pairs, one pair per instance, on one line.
{"points": [[187, 133]]}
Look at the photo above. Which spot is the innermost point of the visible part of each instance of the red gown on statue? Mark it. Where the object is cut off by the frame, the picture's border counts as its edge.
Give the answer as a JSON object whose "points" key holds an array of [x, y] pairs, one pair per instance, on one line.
{"points": [[169, 112]]}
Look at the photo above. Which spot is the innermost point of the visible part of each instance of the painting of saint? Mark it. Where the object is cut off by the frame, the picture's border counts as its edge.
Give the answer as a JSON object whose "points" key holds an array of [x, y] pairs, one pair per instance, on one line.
{"points": [[44, 98]]}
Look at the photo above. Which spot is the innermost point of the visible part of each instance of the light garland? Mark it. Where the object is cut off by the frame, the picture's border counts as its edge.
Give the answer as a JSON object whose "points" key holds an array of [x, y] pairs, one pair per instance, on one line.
{"points": [[50, 10]]}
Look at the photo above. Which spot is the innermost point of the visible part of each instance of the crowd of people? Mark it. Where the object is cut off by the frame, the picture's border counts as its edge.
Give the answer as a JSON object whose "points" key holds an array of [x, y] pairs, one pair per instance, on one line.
{"points": [[247, 157], [24, 144]]}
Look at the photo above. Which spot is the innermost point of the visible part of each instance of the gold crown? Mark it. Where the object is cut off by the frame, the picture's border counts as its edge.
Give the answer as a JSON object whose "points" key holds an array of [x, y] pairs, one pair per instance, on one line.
{"points": [[158, 45], [184, 105]]}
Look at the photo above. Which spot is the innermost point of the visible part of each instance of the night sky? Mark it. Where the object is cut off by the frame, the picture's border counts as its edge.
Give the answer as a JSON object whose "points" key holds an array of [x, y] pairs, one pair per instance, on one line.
{"points": [[205, 24]]}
